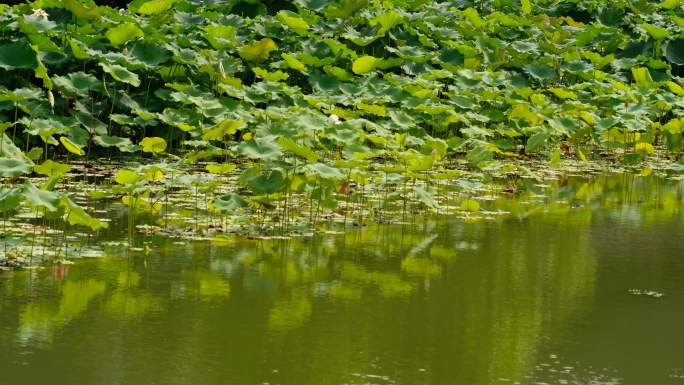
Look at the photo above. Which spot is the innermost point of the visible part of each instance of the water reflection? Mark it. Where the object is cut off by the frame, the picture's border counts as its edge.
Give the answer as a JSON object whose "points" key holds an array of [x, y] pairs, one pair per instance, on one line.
{"points": [[439, 301]]}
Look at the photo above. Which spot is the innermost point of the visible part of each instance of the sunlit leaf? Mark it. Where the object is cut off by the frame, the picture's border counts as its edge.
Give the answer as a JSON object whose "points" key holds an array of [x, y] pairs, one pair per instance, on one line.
{"points": [[121, 74], [123, 33], [71, 146], [153, 144]]}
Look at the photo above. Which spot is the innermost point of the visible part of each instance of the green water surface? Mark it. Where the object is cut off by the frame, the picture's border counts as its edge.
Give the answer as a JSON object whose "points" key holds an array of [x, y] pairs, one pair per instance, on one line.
{"points": [[545, 294]]}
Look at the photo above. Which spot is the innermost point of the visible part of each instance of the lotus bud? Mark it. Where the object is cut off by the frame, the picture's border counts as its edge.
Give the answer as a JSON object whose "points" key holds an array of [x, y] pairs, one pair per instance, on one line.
{"points": [[334, 119], [125, 51], [221, 70], [51, 99]]}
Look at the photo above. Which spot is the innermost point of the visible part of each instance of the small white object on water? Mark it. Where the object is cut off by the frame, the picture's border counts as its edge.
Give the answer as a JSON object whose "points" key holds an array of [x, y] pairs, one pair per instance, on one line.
{"points": [[650, 293], [334, 119]]}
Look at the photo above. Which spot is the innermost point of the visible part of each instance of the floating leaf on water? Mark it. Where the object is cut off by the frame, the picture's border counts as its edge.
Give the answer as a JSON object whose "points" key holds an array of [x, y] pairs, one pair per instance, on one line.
{"points": [[470, 205], [225, 168]]}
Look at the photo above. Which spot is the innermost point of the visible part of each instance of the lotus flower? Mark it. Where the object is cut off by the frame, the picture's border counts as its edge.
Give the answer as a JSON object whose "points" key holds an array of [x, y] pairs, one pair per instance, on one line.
{"points": [[40, 13]]}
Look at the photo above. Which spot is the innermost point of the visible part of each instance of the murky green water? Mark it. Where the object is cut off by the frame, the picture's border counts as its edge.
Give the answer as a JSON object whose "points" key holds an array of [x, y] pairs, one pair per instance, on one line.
{"points": [[539, 296]]}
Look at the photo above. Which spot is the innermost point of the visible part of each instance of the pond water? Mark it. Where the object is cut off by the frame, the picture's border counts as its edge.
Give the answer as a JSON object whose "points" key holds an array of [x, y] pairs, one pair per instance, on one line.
{"points": [[582, 283]]}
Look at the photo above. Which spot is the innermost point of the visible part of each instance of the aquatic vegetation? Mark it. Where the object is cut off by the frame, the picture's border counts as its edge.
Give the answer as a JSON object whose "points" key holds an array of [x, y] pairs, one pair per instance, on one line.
{"points": [[221, 118]]}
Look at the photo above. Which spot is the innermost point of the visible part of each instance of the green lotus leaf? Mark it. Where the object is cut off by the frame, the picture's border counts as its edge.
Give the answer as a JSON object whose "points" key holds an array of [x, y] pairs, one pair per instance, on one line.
{"points": [[221, 36], [315, 5], [540, 72], [564, 125], [265, 148], [642, 76], [71, 146], [121, 74], [77, 83], [10, 198], [611, 16], [293, 63], [153, 144], [270, 182], [258, 50], [82, 9], [344, 8], [670, 4], [223, 168], [480, 152], [223, 129], [536, 141], [9, 150], [228, 203], [324, 171], [365, 64], [425, 197], [656, 32], [674, 51], [386, 21], [150, 54], [35, 153], [289, 145], [91, 123], [17, 55], [79, 50], [51, 168], [127, 177], [338, 72], [41, 198], [470, 205], [76, 215], [473, 17], [293, 21], [452, 58], [526, 6], [10, 167], [123, 33], [274, 76], [155, 7]]}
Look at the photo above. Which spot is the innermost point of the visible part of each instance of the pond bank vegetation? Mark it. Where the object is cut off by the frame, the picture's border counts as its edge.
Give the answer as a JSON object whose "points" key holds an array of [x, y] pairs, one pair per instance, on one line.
{"points": [[197, 120]]}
